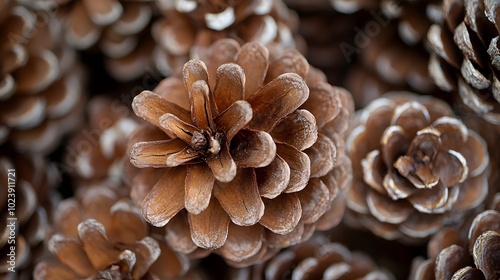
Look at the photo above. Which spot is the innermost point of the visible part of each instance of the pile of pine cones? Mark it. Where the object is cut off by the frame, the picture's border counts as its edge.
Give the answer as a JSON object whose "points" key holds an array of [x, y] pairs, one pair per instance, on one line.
{"points": [[249, 139]]}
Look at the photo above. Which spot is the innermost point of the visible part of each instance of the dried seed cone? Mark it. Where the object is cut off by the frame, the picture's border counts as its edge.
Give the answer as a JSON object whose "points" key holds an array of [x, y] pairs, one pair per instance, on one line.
{"points": [[253, 144], [189, 27], [416, 167], [119, 28], [470, 251], [96, 155], [315, 259], [105, 237], [465, 57], [28, 195], [40, 84]]}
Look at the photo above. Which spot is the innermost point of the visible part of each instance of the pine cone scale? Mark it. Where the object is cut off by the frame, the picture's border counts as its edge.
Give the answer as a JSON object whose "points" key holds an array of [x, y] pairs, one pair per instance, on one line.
{"points": [[209, 229], [170, 188], [240, 198], [199, 185]]}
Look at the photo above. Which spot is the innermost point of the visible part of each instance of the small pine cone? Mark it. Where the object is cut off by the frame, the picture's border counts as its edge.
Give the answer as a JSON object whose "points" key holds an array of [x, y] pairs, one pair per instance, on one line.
{"points": [[256, 151], [97, 154], [315, 259], [120, 29], [28, 195], [469, 251], [40, 87], [466, 51], [104, 237], [189, 27], [416, 167]]}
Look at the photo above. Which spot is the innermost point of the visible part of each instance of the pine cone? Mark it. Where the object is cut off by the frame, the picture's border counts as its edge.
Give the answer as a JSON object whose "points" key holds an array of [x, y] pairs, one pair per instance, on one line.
{"points": [[105, 237], [259, 157], [416, 167], [466, 252], [315, 259], [465, 57], [40, 87], [189, 27], [33, 200], [97, 154], [120, 28]]}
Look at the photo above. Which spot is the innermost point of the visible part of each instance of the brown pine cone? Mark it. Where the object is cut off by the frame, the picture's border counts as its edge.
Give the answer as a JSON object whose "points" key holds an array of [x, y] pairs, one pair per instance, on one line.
{"points": [[416, 167], [40, 83], [96, 155], [120, 29], [189, 27], [105, 237], [31, 200], [465, 58], [315, 259], [470, 251], [258, 155]]}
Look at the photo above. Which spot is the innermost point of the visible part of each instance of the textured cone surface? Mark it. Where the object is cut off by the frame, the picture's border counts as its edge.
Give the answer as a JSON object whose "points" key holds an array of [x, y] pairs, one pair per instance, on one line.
{"points": [[315, 259], [188, 28], [465, 51], [258, 155], [104, 236], [468, 251], [416, 167], [40, 82], [119, 29]]}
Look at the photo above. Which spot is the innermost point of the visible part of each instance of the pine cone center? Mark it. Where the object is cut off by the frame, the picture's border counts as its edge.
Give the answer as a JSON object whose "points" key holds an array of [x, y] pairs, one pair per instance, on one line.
{"points": [[205, 143]]}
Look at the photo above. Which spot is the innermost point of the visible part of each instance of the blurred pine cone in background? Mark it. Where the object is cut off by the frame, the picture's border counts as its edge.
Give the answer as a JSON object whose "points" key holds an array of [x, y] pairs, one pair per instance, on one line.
{"points": [[391, 45], [315, 259], [105, 237], [188, 27], [40, 80], [326, 33], [416, 167], [120, 29], [466, 55], [254, 144], [32, 199], [97, 154], [468, 251]]}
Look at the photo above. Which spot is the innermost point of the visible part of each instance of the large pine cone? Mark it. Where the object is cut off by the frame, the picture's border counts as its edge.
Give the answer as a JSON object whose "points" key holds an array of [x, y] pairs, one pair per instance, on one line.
{"points": [[466, 55], [256, 151], [105, 237], [189, 27], [120, 28], [40, 85], [315, 259], [97, 154], [33, 199], [416, 167], [470, 251]]}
